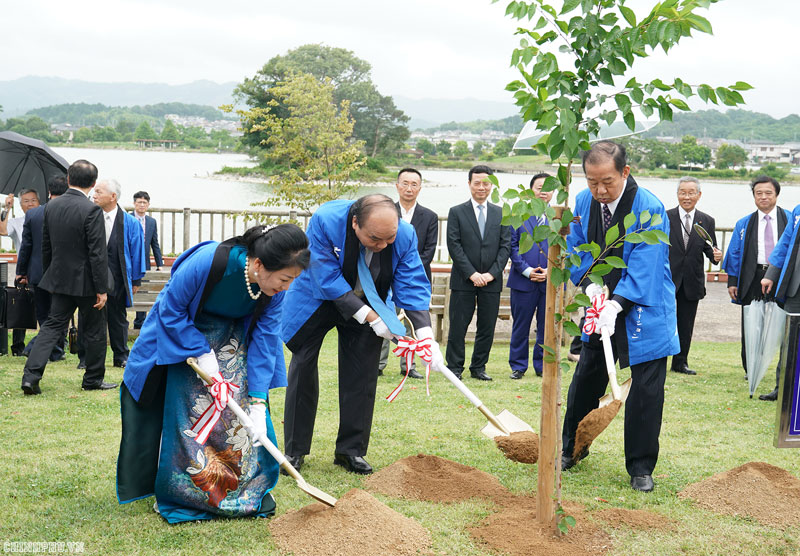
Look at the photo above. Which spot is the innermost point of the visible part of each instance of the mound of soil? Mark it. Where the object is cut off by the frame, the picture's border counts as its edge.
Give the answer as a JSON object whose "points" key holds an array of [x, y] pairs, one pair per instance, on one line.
{"points": [[513, 530], [593, 424], [435, 479], [358, 524], [768, 494], [635, 519], [522, 447]]}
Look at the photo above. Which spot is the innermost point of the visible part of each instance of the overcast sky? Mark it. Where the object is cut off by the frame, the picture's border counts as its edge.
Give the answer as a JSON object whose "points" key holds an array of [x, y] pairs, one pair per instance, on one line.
{"points": [[417, 48]]}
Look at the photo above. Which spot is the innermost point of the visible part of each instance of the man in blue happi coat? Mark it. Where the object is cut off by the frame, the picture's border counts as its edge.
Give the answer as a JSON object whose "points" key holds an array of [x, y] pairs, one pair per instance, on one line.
{"points": [[527, 281], [344, 235], [640, 313]]}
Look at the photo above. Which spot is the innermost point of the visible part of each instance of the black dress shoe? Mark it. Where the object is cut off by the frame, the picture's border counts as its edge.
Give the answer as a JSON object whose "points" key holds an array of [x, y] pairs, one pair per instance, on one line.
{"points": [[516, 375], [354, 464], [62, 357], [101, 386], [642, 483], [684, 369], [567, 462], [480, 376], [771, 397], [121, 364], [457, 375], [31, 388], [412, 374], [380, 372], [294, 461], [81, 365]]}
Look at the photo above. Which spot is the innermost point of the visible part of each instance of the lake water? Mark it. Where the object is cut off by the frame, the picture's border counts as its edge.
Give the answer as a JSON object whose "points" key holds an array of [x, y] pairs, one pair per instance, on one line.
{"points": [[177, 180]]}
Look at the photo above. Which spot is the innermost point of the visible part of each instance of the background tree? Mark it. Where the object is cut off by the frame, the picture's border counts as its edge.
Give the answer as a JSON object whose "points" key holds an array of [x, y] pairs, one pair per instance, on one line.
{"points": [[503, 146], [144, 131], [426, 146], [460, 149], [729, 156], [477, 148], [443, 148], [105, 134], [309, 136], [170, 132], [378, 122], [83, 135], [693, 153], [568, 96]]}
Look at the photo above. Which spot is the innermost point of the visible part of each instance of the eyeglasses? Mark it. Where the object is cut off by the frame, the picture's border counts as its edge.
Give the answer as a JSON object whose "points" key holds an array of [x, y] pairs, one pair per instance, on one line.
{"points": [[405, 185], [687, 194]]}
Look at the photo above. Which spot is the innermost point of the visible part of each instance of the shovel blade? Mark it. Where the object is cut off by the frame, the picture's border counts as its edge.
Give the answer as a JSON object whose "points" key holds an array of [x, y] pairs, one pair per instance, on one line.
{"points": [[510, 421], [316, 493], [625, 389]]}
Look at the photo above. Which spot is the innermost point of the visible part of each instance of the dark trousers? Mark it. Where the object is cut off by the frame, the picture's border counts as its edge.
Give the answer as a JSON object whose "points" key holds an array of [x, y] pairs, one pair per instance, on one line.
{"points": [[62, 307], [686, 312], [462, 308], [117, 317], [18, 341], [139, 320], [359, 349], [523, 306], [643, 407], [42, 300]]}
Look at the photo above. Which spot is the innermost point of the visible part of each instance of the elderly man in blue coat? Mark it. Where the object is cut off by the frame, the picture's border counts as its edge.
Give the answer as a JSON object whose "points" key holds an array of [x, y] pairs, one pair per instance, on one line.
{"points": [[359, 250], [640, 313], [527, 281]]}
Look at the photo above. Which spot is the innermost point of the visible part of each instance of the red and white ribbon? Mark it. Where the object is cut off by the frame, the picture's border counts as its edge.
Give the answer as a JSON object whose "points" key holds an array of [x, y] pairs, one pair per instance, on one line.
{"points": [[408, 347], [220, 391], [593, 313]]}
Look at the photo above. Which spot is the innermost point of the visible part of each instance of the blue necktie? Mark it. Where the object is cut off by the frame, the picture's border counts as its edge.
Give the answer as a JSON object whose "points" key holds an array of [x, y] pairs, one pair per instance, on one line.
{"points": [[387, 315], [481, 220]]}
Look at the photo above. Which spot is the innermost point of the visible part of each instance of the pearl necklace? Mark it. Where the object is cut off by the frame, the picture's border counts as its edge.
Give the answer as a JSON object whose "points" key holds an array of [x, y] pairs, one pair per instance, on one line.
{"points": [[253, 296]]}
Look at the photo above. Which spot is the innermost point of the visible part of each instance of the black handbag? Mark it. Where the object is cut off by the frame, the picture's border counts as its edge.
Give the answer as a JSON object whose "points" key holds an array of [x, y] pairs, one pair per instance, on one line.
{"points": [[20, 307], [73, 336]]}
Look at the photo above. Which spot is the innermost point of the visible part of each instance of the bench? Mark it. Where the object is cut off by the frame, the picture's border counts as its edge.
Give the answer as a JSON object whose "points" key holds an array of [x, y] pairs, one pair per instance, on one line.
{"points": [[152, 284]]}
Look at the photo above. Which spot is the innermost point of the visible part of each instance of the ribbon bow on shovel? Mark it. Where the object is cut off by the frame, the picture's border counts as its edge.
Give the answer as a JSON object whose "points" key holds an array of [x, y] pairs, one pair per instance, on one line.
{"points": [[408, 347]]}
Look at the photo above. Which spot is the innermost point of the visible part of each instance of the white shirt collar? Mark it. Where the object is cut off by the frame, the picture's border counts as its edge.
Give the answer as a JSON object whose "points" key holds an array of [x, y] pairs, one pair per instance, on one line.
{"points": [[407, 215], [772, 213], [113, 213], [683, 213], [475, 204]]}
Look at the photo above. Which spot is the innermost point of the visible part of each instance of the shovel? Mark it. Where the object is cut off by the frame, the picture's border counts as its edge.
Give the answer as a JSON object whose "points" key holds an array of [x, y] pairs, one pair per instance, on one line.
{"points": [[245, 420]]}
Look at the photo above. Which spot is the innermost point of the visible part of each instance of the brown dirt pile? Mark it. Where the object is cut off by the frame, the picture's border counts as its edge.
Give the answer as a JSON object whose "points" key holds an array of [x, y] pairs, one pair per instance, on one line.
{"points": [[766, 493], [358, 524], [522, 447], [513, 530], [593, 424], [435, 479], [635, 519]]}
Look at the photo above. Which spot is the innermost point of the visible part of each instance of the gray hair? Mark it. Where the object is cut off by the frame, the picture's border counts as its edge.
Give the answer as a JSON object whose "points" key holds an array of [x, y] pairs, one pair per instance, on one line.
{"points": [[113, 186], [689, 179]]}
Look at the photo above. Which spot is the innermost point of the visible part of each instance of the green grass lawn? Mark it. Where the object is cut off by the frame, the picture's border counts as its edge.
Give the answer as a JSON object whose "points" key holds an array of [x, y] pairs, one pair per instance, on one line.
{"points": [[60, 448]]}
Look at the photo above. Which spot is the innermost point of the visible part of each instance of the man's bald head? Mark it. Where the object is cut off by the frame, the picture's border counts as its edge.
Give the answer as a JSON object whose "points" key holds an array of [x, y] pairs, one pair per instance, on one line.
{"points": [[375, 221]]}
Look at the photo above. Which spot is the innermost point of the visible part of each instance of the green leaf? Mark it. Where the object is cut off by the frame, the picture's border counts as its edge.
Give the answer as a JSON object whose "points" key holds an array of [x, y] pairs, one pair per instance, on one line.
{"points": [[616, 262], [570, 520], [540, 233], [741, 86], [630, 120], [633, 237], [563, 527], [594, 249], [629, 220], [637, 95], [525, 242], [662, 237], [596, 279], [629, 16], [569, 5], [493, 179], [556, 277], [548, 349], [572, 307], [656, 220], [575, 260], [571, 328], [562, 196], [602, 269], [605, 76], [644, 217], [612, 234], [678, 103]]}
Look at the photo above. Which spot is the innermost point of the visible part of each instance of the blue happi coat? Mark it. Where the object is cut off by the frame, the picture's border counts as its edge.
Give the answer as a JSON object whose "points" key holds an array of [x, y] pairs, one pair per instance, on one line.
{"points": [[324, 280], [650, 325], [169, 336], [134, 253], [782, 252]]}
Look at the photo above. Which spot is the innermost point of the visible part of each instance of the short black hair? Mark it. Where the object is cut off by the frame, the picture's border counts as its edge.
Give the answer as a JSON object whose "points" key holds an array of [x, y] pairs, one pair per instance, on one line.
{"points": [[538, 176], [479, 169], [763, 178], [57, 185], [364, 206], [412, 170], [29, 190], [141, 195], [278, 247], [82, 174], [603, 150]]}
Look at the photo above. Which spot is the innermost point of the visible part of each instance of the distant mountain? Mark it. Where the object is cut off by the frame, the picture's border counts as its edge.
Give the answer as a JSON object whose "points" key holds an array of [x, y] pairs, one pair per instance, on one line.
{"points": [[429, 112], [743, 125], [26, 93]]}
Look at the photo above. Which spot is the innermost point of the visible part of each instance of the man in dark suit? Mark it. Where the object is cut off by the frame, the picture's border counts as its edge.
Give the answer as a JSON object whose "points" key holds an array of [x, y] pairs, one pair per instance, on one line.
{"points": [[141, 202], [75, 268], [29, 263], [752, 241], [426, 225], [527, 281], [686, 263], [125, 254], [479, 246]]}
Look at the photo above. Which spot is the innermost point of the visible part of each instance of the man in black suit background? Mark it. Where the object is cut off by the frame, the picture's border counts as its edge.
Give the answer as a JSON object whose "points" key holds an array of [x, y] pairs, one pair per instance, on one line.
{"points": [[141, 202], [75, 268], [29, 263], [479, 247], [686, 263], [426, 225]]}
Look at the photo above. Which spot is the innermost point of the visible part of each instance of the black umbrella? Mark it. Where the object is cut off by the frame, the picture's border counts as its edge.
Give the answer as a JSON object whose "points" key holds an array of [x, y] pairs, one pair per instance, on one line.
{"points": [[27, 163]]}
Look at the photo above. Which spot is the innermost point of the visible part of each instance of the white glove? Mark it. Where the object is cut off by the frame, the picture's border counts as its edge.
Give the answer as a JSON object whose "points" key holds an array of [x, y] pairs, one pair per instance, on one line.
{"points": [[593, 290], [608, 316], [380, 329], [258, 415], [209, 364], [437, 359]]}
